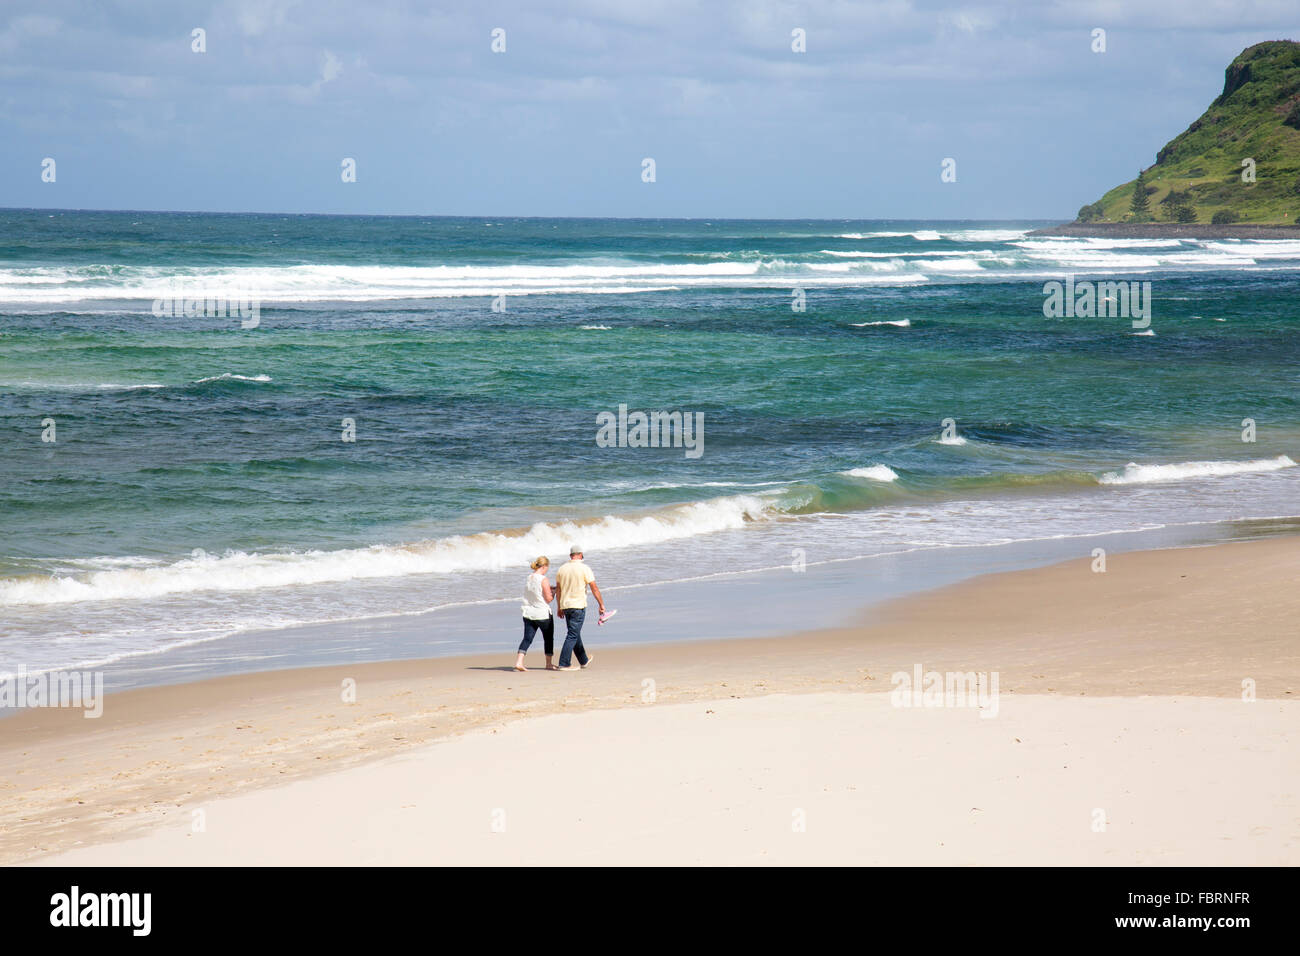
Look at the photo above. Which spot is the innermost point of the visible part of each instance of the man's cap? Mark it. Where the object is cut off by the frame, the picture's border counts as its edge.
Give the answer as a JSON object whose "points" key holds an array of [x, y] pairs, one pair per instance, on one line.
{"points": [[574, 549]]}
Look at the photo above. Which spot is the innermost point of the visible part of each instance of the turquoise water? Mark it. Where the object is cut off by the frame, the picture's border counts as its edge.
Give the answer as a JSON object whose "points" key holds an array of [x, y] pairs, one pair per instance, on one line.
{"points": [[200, 485]]}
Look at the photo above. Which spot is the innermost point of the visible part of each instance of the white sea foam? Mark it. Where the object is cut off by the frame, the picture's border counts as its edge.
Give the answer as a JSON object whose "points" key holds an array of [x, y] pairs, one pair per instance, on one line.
{"points": [[1096, 242], [948, 265], [874, 472], [950, 440], [986, 235], [1148, 254], [595, 328], [901, 323], [485, 551], [1259, 248], [137, 287], [81, 386], [231, 376], [928, 254], [929, 235], [1134, 473], [632, 486]]}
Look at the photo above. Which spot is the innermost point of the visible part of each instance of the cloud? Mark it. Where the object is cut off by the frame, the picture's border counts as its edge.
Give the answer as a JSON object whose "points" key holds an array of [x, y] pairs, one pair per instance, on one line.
{"points": [[257, 17], [331, 67], [884, 86], [970, 21], [22, 30]]}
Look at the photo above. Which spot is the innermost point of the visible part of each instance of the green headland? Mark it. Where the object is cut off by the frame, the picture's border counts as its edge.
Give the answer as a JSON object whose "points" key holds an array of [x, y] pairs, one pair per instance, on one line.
{"points": [[1236, 167]]}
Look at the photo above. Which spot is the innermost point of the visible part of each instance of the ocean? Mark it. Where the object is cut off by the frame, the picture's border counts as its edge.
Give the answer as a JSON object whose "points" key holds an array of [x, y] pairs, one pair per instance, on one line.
{"points": [[402, 412]]}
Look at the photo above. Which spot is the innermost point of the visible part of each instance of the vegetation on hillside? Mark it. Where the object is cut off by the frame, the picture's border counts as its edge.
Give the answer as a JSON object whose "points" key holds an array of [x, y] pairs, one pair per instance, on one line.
{"points": [[1240, 162]]}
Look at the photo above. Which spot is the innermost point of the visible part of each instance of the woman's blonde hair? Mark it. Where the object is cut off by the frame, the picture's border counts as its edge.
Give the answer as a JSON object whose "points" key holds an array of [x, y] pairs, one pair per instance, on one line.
{"points": [[541, 562]]}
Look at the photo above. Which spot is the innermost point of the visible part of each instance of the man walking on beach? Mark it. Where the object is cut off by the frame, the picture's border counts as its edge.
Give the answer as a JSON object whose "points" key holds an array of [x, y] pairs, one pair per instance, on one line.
{"points": [[571, 581]]}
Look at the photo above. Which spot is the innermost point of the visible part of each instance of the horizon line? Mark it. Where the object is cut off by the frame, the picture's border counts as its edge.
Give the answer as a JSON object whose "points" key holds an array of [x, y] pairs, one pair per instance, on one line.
{"points": [[368, 215]]}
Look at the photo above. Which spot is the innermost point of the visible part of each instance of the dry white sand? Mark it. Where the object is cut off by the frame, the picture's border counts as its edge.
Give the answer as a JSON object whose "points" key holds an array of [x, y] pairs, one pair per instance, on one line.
{"points": [[1123, 689], [821, 778]]}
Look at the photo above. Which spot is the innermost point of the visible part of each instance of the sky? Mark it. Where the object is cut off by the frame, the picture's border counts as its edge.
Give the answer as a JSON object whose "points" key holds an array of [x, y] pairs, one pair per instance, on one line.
{"points": [[737, 122]]}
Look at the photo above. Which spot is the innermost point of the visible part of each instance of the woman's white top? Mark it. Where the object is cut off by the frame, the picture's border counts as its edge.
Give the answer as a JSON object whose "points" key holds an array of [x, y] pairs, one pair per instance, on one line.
{"points": [[535, 607]]}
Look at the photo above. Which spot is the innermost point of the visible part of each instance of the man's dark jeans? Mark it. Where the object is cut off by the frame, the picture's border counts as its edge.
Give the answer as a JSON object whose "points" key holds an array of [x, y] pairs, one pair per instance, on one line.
{"points": [[573, 617]]}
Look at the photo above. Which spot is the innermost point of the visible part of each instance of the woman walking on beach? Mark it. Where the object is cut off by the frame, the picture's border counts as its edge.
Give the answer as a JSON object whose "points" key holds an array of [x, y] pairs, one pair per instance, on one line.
{"points": [[537, 613]]}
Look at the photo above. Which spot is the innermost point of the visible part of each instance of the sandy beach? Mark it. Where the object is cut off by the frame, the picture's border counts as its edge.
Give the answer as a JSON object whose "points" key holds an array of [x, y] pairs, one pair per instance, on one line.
{"points": [[1121, 735]]}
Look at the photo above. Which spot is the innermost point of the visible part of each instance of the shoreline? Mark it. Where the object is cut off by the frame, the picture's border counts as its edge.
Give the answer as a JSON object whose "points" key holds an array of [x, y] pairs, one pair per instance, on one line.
{"points": [[1170, 230], [708, 607], [1187, 622]]}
